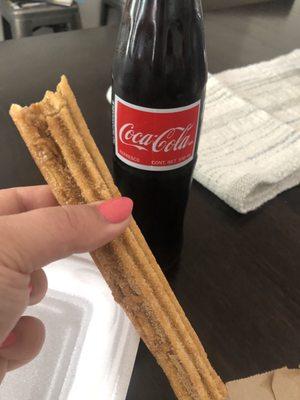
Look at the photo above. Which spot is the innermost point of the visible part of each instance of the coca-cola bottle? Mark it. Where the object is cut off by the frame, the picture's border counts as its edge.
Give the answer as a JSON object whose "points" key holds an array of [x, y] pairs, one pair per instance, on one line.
{"points": [[159, 78]]}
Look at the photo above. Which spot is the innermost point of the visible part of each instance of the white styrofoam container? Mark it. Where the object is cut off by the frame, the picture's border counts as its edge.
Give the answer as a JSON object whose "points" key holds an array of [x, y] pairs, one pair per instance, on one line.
{"points": [[90, 344]]}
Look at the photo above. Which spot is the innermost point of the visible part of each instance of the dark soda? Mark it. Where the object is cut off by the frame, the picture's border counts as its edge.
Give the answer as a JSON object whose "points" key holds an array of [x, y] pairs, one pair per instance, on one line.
{"points": [[159, 79]]}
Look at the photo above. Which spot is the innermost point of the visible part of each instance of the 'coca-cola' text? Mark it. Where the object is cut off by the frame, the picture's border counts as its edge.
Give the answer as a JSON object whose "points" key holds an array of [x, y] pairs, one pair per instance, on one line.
{"points": [[155, 139]]}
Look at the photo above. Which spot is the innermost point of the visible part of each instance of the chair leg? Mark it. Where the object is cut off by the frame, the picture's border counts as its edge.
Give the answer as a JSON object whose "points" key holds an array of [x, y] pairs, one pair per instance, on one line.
{"points": [[6, 29], [75, 22], [104, 10], [21, 29]]}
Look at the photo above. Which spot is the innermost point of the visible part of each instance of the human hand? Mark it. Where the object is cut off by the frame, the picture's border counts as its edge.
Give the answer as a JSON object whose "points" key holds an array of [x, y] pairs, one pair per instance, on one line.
{"points": [[34, 231]]}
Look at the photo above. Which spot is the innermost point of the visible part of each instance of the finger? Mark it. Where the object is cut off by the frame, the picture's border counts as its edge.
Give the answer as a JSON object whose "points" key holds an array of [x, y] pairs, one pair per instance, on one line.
{"points": [[29, 338], [3, 368], [38, 286], [22, 199], [31, 240], [14, 298]]}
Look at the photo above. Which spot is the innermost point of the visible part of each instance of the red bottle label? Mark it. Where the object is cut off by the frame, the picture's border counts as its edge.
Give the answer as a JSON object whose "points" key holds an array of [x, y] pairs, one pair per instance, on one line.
{"points": [[155, 139]]}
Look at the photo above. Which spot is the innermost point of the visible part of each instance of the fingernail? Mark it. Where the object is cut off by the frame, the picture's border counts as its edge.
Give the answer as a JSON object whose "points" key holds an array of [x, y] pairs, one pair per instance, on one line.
{"points": [[116, 210], [11, 338]]}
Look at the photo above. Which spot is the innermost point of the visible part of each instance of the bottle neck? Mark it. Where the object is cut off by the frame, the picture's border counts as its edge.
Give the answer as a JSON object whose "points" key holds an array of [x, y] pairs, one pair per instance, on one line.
{"points": [[163, 22], [150, 8], [160, 51]]}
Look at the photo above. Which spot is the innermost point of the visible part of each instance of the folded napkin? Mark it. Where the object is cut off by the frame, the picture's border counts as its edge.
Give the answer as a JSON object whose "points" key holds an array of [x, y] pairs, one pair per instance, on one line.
{"points": [[273, 86], [250, 145], [282, 384]]}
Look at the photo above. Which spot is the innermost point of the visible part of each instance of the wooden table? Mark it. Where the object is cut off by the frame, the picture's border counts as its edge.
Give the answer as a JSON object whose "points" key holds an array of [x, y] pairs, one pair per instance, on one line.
{"points": [[239, 279]]}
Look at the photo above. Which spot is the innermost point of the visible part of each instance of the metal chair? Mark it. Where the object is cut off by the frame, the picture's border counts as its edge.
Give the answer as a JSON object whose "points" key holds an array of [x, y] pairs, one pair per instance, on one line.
{"points": [[21, 21], [105, 7]]}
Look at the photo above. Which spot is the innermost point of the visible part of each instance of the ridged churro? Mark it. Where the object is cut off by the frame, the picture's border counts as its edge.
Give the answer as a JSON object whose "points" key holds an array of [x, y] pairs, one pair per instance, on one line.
{"points": [[59, 141]]}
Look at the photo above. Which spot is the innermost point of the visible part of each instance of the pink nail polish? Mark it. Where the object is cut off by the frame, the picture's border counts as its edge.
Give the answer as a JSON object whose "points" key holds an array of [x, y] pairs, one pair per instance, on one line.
{"points": [[11, 338], [116, 210]]}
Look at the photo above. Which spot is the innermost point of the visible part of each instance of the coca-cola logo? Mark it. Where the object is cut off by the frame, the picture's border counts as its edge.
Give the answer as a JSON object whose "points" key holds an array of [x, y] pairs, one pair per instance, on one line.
{"points": [[155, 139], [173, 139]]}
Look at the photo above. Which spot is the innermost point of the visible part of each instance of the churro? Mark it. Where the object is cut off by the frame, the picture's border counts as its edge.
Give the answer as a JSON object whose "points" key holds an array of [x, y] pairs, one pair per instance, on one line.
{"points": [[59, 141]]}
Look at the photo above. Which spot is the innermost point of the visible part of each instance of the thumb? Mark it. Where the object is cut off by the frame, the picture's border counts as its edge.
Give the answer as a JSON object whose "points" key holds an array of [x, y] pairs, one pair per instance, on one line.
{"points": [[30, 240]]}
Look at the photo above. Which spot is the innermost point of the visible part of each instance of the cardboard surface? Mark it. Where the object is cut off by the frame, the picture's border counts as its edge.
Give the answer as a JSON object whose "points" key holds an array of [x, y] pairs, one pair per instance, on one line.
{"points": [[282, 384]]}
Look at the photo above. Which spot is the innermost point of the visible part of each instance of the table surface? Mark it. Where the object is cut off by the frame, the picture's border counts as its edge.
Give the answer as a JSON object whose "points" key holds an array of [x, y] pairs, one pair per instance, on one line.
{"points": [[239, 279]]}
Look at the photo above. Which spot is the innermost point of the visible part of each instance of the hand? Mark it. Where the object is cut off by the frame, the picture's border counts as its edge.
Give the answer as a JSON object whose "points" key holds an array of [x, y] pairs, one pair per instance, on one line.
{"points": [[34, 231]]}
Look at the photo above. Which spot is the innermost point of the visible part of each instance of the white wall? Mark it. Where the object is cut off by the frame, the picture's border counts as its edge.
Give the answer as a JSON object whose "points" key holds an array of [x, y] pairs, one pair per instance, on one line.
{"points": [[1, 30], [90, 11]]}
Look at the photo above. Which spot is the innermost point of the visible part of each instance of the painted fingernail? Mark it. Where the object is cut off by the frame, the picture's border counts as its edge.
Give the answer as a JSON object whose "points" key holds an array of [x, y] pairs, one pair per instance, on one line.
{"points": [[11, 338], [116, 210]]}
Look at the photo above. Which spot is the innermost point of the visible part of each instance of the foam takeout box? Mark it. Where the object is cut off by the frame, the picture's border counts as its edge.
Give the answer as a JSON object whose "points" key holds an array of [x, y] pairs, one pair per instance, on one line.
{"points": [[90, 344]]}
